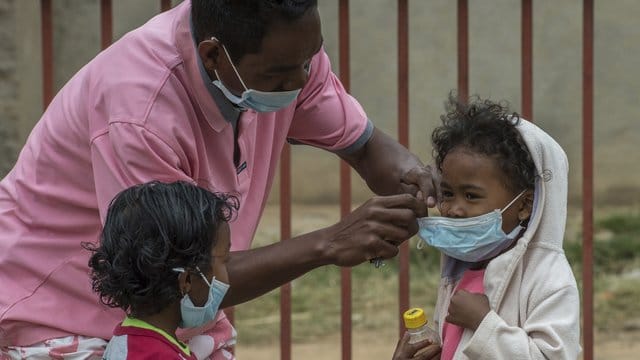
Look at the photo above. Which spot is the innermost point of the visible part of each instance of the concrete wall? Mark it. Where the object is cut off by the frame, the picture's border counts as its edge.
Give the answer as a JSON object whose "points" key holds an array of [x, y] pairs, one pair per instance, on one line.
{"points": [[494, 71], [76, 40]]}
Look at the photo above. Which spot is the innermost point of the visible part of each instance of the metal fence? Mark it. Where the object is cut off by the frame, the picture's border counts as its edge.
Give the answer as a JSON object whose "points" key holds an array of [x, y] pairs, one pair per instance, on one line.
{"points": [[403, 138]]}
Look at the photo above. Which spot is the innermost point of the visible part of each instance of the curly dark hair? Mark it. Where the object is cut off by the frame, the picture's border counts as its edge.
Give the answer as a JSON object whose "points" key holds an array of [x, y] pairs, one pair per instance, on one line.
{"points": [[149, 230], [242, 24], [488, 128]]}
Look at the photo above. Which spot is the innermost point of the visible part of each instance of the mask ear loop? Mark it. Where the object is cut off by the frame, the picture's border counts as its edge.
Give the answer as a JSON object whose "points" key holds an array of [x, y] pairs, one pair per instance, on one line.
{"points": [[210, 284], [512, 201], [230, 62], [179, 270]]}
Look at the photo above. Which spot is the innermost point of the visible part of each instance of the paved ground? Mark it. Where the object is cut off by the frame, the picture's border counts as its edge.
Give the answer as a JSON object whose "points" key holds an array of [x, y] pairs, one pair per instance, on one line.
{"points": [[379, 346]]}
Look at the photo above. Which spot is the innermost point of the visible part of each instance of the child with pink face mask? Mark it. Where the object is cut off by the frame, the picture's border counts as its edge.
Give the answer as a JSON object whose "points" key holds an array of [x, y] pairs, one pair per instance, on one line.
{"points": [[507, 290], [162, 259]]}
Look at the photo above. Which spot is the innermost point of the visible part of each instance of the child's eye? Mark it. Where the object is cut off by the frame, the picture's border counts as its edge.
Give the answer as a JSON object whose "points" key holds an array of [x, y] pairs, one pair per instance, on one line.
{"points": [[447, 194], [470, 196]]}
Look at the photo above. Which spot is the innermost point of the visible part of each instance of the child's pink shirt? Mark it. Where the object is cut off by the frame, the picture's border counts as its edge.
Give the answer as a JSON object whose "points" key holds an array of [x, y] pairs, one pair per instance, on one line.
{"points": [[472, 281]]}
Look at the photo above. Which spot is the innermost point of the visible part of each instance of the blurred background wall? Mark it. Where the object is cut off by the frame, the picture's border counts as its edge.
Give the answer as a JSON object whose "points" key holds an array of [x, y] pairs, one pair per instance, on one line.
{"points": [[494, 46]]}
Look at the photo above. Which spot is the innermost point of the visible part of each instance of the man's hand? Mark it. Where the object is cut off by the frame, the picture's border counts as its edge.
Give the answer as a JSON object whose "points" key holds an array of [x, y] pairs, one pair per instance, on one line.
{"points": [[374, 230], [422, 179], [389, 168], [467, 309], [425, 350]]}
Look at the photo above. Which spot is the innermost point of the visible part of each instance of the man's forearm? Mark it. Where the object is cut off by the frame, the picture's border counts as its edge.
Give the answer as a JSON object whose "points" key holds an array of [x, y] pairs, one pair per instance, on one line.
{"points": [[255, 272], [382, 162], [373, 230]]}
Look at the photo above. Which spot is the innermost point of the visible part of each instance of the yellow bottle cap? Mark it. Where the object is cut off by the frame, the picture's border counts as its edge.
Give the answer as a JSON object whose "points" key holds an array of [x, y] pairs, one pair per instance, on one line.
{"points": [[414, 318]]}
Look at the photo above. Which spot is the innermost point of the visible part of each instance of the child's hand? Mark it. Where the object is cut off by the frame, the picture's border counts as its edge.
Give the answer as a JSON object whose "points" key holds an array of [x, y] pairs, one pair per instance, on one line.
{"points": [[406, 351], [467, 309]]}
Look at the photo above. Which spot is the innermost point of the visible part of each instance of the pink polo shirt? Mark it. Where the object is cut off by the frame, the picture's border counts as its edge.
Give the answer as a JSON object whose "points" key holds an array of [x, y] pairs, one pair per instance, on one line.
{"points": [[139, 111]]}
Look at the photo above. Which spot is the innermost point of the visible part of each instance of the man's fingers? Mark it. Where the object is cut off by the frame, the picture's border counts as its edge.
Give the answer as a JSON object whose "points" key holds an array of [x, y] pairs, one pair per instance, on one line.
{"points": [[432, 202], [437, 196], [425, 179], [401, 217], [393, 225], [385, 250], [397, 216], [402, 201], [391, 233], [396, 201], [411, 189], [429, 184]]}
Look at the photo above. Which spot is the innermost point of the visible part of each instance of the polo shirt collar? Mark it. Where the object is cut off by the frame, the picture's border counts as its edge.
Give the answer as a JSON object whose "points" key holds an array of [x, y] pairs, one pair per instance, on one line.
{"points": [[210, 105], [227, 108]]}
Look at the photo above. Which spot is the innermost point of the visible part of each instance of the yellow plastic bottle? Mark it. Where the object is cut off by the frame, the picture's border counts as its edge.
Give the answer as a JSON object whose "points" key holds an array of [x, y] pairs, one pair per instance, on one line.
{"points": [[415, 321]]}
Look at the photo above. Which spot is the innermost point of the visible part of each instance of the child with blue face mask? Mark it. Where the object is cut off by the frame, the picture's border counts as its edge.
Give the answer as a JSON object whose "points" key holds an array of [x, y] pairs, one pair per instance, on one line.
{"points": [[162, 259], [507, 290]]}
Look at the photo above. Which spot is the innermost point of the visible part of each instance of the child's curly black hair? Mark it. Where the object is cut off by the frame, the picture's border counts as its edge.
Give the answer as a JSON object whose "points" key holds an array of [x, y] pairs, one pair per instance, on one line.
{"points": [[149, 230], [488, 128]]}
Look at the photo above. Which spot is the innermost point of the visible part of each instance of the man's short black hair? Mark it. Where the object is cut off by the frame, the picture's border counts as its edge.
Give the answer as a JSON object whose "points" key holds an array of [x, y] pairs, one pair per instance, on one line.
{"points": [[242, 24], [488, 128], [149, 230]]}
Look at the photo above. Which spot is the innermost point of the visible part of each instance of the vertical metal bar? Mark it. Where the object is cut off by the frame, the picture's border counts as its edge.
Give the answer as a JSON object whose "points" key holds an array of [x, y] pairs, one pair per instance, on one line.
{"points": [[106, 23], [587, 176], [345, 183], [285, 233], [165, 5], [47, 52], [463, 49], [527, 59], [403, 138]]}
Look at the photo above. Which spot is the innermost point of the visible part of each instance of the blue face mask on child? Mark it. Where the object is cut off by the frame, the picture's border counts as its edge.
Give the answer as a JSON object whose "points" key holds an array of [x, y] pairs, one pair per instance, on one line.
{"points": [[470, 239], [195, 316], [260, 101]]}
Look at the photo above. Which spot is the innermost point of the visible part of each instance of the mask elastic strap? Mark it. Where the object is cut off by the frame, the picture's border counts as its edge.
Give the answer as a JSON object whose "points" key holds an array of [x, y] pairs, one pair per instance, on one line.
{"points": [[181, 270], [230, 62], [204, 278], [512, 201]]}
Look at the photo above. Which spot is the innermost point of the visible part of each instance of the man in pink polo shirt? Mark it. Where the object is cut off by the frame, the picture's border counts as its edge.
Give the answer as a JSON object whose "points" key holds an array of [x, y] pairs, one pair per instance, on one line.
{"points": [[208, 92]]}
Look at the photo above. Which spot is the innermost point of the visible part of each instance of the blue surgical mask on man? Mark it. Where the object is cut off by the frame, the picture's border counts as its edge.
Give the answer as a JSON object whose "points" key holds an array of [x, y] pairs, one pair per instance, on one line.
{"points": [[470, 239], [260, 101], [195, 316]]}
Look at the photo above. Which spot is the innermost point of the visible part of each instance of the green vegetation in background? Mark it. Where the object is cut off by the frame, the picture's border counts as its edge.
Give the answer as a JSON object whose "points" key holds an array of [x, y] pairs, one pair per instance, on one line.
{"points": [[616, 244], [316, 296], [616, 259]]}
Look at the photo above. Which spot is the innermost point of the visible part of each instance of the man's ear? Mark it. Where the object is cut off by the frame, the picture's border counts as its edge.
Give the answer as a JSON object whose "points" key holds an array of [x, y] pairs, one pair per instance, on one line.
{"points": [[210, 52], [184, 282], [526, 206]]}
